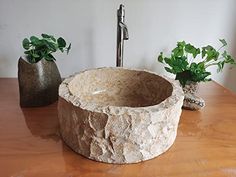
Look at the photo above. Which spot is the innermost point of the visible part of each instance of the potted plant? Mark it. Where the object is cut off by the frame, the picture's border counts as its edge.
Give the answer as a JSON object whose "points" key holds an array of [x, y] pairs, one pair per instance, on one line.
{"points": [[190, 64], [38, 75]]}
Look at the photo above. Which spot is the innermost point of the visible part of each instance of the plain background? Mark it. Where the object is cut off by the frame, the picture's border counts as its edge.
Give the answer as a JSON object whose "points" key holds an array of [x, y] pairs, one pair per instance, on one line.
{"points": [[90, 25]]}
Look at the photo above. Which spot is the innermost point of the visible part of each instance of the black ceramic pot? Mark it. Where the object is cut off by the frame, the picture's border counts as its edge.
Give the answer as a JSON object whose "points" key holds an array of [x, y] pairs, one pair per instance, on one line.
{"points": [[38, 83]]}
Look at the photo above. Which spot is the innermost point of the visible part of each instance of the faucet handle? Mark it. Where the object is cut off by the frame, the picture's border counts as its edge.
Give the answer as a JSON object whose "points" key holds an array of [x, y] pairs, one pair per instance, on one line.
{"points": [[121, 11], [124, 30]]}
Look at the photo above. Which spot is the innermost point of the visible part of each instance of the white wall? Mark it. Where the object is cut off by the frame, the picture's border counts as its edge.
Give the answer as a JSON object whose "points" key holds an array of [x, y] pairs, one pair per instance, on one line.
{"points": [[90, 25]]}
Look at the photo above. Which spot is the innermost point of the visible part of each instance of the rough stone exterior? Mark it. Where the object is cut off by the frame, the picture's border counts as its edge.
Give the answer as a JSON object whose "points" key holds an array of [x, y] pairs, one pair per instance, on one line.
{"points": [[118, 134]]}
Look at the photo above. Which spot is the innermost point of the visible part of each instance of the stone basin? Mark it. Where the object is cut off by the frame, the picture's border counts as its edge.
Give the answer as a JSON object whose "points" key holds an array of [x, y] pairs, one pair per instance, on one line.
{"points": [[119, 115]]}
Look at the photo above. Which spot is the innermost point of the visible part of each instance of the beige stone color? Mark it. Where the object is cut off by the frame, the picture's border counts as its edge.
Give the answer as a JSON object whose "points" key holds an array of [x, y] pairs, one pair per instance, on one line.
{"points": [[119, 115]]}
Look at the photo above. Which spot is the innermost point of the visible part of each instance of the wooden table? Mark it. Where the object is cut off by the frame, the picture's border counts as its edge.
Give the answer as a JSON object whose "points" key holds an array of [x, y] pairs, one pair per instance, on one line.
{"points": [[30, 145]]}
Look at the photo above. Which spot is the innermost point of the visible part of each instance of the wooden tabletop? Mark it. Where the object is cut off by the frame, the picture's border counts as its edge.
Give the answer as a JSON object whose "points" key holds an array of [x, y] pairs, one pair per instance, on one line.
{"points": [[30, 145]]}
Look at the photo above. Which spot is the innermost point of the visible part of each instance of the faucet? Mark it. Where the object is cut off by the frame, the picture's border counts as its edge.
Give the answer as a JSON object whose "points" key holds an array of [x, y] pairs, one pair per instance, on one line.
{"points": [[122, 34]]}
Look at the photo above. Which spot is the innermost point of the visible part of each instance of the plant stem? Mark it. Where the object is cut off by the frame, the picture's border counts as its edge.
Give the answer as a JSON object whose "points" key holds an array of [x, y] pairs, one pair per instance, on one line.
{"points": [[220, 48], [211, 64]]}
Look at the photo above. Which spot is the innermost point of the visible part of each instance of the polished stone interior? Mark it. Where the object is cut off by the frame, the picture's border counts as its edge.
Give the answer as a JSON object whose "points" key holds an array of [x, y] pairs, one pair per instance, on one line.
{"points": [[120, 87]]}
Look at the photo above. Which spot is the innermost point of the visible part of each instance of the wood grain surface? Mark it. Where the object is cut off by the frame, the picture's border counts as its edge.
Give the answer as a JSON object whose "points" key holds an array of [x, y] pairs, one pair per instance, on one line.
{"points": [[30, 144]]}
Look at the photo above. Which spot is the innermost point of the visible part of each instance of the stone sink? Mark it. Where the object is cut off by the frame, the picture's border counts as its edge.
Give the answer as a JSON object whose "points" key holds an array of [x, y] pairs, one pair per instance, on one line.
{"points": [[119, 115]]}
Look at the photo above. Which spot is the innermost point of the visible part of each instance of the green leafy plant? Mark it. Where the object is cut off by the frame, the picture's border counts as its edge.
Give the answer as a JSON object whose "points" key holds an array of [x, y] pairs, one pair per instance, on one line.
{"points": [[183, 61], [39, 48]]}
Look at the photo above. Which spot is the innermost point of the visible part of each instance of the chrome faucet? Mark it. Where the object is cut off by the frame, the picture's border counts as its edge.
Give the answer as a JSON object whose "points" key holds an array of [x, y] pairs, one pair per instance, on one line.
{"points": [[122, 34]]}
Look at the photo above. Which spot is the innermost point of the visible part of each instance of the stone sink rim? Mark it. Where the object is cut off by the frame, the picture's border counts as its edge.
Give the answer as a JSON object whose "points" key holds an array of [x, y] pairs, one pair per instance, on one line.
{"points": [[65, 93]]}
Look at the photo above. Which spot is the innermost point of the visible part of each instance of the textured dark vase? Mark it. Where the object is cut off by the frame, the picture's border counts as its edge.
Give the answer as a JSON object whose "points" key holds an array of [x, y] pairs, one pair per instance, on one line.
{"points": [[38, 83]]}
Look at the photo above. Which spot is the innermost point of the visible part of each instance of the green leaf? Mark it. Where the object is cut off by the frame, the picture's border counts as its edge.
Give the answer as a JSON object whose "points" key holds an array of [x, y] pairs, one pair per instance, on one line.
{"points": [[35, 55], [49, 57], [196, 52], [27, 52], [182, 61], [203, 52], [34, 39], [189, 48], [53, 39], [224, 54], [217, 54], [182, 44], [223, 41], [61, 42], [169, 61], [201, 65], [160, 57], [45, 35], [51, 45], [206, 74], [168, 70], [40, 44], [228, 58], [220, 66], [208, 48], [193, 66], [210, 52], [26, 44], [178, 52], [48, 37]]}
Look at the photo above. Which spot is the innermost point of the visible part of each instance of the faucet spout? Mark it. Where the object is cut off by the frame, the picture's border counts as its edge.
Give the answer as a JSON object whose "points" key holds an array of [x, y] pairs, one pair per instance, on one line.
{"points": [[122, 34]]}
